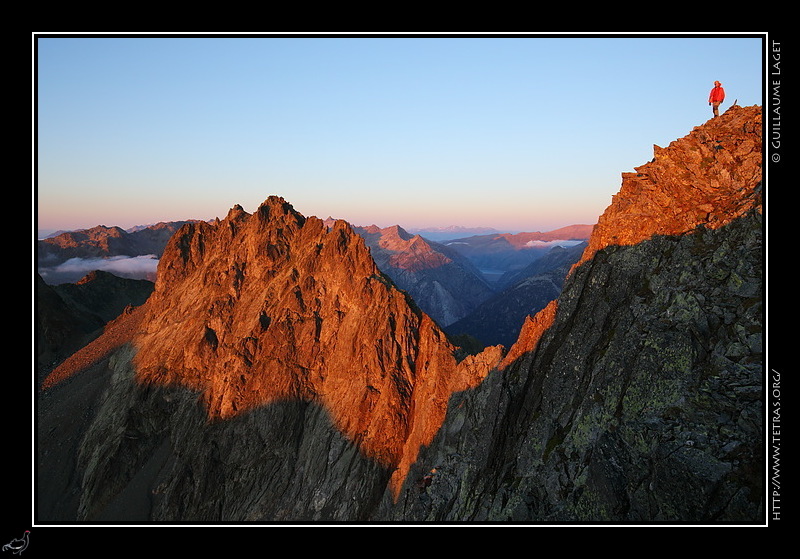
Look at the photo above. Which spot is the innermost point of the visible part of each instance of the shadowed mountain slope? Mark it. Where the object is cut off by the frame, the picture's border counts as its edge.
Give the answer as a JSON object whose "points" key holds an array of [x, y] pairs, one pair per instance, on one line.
{"points": [[498, 320]]}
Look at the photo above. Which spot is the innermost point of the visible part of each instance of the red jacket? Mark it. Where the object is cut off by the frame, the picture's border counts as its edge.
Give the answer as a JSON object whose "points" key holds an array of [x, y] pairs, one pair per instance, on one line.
{"points": [[717, 95]]}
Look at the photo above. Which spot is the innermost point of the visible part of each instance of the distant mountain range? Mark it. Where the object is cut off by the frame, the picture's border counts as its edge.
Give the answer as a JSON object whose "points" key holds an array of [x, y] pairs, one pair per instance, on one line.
{"points": [[103, 242], [439, 279], [451, 232], [497, 254], [69, 255]]}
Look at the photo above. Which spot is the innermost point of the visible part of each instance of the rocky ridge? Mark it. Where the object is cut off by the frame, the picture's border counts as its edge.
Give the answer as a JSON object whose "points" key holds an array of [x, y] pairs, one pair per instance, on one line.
{"points": [[708, 178]]}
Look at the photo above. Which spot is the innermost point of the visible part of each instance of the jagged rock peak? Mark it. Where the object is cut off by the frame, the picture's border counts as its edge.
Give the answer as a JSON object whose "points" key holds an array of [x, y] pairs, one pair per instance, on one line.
{"points": [[268, 234], [277, 204], [397, 231], [236, 213], [273, 306]]}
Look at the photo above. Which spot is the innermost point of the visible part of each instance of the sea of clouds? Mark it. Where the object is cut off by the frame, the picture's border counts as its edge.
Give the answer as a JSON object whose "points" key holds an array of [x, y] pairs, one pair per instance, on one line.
{"points": [[131, 267]]}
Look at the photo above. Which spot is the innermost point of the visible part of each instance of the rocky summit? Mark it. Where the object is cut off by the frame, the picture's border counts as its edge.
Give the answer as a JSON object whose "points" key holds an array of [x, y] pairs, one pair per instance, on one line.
{"points": [[258, 312], [276, 374], [708, 178]]}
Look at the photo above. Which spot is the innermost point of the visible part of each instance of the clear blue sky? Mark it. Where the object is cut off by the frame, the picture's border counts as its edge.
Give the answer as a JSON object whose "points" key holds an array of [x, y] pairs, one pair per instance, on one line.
{"points": [[524, 133]]}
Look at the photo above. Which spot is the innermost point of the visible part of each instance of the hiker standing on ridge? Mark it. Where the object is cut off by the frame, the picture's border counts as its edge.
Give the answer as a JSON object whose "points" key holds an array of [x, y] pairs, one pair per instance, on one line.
{"points": [[716, 97]]}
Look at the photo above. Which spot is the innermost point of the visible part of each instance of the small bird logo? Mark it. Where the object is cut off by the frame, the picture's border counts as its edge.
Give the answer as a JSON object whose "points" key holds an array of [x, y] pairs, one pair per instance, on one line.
{"points": [[18, 545]]}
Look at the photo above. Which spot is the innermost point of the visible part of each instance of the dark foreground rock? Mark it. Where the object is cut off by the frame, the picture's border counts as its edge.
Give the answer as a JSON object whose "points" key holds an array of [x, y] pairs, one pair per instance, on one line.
{"points": [[643, 401]]}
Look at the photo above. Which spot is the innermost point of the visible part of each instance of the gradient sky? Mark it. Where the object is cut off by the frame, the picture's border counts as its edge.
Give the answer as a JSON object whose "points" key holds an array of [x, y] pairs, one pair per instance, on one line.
{"points": [[523, 133]]}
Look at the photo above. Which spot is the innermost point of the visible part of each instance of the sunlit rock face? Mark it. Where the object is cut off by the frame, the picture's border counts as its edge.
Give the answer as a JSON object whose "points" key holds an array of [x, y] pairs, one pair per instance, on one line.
{"points": [[264, 309], [708, 178]]}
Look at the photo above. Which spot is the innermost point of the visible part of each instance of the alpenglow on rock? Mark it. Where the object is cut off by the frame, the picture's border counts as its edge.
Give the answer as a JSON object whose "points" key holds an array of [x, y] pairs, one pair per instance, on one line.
{"points": [[267, 314]]}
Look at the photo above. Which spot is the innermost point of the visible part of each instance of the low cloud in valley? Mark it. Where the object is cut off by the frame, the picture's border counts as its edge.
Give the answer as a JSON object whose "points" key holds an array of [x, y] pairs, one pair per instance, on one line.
{"points": [[136, 267]]}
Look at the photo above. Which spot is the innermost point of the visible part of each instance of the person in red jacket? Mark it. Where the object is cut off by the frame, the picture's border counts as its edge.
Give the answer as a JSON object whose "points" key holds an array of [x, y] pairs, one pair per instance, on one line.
{"points": [[716, 97]]}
